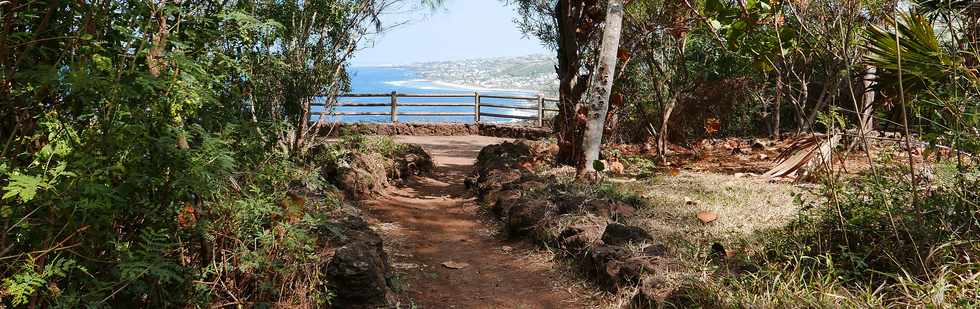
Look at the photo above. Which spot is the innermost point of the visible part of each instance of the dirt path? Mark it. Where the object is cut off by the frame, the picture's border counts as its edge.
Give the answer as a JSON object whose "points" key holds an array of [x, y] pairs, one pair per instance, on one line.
{"points": [[433, 220]]}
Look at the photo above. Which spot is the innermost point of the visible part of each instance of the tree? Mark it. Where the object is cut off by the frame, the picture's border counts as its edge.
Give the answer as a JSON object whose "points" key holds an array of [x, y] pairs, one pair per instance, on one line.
{"points": [[658, 33], [602, 86], [572, 28]]}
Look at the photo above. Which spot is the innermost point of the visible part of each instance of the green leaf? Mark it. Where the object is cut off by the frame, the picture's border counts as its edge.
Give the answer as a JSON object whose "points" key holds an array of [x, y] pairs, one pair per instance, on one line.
{"points": [[715, 24], [598, 166], [24, 186]]}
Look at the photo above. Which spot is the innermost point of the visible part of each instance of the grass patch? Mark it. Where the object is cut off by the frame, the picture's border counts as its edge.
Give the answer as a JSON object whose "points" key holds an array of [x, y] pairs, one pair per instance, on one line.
{"points": [[744, 206]]}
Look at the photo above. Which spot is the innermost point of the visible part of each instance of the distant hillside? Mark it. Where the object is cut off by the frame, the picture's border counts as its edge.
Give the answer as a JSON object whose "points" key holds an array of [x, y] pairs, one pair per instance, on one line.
{"points": [[534, 72]]}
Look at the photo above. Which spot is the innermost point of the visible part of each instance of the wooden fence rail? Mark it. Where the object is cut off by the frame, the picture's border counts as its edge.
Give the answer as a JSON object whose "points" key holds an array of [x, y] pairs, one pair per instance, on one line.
{"points": [[537, 103]]}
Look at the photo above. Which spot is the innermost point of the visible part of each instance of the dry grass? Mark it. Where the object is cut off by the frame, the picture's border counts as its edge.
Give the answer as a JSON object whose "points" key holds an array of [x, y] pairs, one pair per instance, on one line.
{"points": [[743, 205]]}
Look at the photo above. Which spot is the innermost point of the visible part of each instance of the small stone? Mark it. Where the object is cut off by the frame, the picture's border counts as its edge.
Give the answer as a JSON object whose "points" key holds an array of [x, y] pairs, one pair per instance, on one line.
{"points": [[507, 248], [707, 217], [455, 265], [619, 234], [655, 250]]}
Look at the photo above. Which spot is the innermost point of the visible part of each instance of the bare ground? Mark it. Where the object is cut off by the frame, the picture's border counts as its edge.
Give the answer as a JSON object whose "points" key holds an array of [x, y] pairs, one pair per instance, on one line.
{"points": [[432, 221]]}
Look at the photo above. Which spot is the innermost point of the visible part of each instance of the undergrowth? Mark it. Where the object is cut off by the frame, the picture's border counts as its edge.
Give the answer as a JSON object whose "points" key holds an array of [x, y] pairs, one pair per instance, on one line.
{"points": [[869, 241], [223, 222]]}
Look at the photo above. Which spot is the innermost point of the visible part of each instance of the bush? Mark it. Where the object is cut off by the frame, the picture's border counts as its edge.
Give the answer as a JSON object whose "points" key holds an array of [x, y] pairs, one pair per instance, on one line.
{"points": [[153, 225]]}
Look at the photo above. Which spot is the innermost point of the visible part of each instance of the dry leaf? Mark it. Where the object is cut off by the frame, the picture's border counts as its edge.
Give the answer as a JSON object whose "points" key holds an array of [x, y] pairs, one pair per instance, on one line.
{"points": [[707, 217], [186, 217], [712, 126]]}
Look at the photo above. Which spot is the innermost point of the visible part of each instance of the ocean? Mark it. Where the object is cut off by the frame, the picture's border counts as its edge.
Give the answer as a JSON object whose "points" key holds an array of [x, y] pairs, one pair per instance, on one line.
{"points": [[405, 80]]}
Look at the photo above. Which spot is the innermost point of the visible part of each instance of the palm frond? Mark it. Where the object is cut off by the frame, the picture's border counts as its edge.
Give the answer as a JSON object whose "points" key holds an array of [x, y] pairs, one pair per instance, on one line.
{"points": [[929, 7], [924, 62]]}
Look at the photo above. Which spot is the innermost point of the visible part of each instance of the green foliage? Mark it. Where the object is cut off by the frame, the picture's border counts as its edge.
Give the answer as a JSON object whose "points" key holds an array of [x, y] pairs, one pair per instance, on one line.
{"points": [[28, 281], [146, 149], [924, 63], [598, 166]]}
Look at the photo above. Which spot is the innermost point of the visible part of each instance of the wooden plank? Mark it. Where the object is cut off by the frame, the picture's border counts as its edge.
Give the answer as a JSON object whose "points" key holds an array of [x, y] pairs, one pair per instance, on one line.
{"points": [[436, 104], [394, 107], [359, 104], [509, 116], [363, 95], [433, 114], [524, 107], [476, 107], [509, 97], [358, 114], [435, 95], [540, 111]]}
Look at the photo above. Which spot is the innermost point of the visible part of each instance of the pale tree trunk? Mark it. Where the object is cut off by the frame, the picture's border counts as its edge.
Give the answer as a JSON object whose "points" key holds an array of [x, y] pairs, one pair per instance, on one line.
{"points": [[662, 136], [304, 122], [778, 106], [866, 113], [602, 87], [674, 91]]}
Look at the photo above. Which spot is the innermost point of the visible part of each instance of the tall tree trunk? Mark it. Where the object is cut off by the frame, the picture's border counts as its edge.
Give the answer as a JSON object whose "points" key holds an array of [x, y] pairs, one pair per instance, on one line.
{"points": [[571, 83], [777, 108], [304, 121], [601, 90], [662, 136], [866, 114]]}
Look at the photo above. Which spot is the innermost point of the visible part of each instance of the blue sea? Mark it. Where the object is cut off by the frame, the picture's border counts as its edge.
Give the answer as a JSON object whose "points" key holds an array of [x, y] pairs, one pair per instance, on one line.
{"points": [[405, 80]]}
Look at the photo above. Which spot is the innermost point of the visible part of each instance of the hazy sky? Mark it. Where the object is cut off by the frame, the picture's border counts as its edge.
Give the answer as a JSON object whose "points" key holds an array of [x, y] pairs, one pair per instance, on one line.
{"points": [[464, 29]]}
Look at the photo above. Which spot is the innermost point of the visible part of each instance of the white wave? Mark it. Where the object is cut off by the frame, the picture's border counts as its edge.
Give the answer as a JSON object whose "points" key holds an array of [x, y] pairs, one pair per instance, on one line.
{"points": [[405, 83], [454, 86], [424, 84]]}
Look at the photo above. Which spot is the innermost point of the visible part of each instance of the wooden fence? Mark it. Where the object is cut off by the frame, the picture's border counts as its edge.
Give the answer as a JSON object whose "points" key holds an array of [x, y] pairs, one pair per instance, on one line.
{"points": [[475, 100]]}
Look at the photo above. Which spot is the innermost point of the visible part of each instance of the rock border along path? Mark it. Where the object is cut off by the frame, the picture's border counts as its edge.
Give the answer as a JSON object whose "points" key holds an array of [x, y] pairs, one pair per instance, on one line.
{"points": [[446, 256]]}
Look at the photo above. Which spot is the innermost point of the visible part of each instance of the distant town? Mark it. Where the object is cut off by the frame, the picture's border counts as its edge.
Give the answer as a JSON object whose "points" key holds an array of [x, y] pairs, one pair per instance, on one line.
{"points": [[533, 72]]}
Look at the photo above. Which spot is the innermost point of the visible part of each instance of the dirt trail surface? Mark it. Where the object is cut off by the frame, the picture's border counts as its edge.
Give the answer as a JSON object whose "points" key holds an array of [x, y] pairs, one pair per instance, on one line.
{"points": [[445, 253]]}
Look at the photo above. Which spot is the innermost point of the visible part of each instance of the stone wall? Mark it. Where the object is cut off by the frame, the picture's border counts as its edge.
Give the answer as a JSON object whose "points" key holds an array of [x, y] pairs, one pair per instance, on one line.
{"points": [[439, 129]]}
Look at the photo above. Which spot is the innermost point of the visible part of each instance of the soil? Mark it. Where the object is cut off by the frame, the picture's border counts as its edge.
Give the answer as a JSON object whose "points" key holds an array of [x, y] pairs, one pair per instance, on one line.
{"points": [[448, 255]]}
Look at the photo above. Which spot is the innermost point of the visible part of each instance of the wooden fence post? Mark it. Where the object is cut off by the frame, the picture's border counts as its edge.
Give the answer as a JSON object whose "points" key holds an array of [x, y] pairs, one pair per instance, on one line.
{"points": [[476, 107], [394, 106], [540, 110]]}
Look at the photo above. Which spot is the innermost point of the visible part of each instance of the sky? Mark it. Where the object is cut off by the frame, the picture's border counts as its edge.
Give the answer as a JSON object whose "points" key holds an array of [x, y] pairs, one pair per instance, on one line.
{"points": [[462, 29]]}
